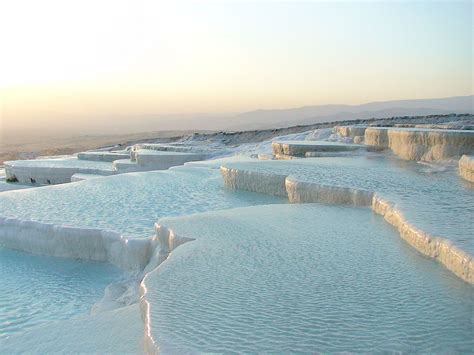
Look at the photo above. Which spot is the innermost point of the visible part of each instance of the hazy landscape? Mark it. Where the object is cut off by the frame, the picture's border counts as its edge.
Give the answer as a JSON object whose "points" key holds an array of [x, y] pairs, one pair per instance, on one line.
{"points": [[244, 177], [27, 144]]}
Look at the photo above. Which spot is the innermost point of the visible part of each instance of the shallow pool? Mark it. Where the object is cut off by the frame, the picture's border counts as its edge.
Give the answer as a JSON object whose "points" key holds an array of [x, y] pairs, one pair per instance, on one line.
{"points": [[128, 203], [39, 289], [303, 278], [431, 196]]}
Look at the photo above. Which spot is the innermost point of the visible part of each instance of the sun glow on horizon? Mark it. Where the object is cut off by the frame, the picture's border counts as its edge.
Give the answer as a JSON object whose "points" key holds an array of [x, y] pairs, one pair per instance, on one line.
{"points": [[135, 57]]}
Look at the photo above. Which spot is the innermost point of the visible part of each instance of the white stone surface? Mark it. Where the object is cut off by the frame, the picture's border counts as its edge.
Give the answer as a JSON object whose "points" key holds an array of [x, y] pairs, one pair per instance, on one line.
{"points": [[111, 219], [262, 182], [300, 148], [162, 147], [349, 131], [108, 219], [103, 156], [377, 137], [298, 278], [163, 160], [147, 160], [422, 144], [53, 171], [466, 167], [432, 206], [80, 177], [126, 166]]}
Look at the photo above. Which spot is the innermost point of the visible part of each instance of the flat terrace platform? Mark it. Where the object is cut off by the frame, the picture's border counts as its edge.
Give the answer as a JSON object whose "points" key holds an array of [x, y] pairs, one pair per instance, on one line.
{"points": [[300, 278]]}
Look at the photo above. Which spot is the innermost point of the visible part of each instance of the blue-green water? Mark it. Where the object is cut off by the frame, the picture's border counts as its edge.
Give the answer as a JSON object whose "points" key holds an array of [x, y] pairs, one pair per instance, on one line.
{"points": [[304, 278], [128, 203], [37, 289], [432, 197]]}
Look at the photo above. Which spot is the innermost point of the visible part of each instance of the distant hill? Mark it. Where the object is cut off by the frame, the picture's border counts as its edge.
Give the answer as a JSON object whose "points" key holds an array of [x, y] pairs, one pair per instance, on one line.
{"points": [[265, 119], [261, 119], [112, 124]]}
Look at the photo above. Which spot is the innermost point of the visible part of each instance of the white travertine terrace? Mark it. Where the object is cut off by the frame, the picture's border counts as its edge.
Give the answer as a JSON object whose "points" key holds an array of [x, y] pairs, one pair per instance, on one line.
{"points": [[252, 181], [145, 160], [323, 154], [60, 171], [283, 157], [307, 192], [161, 147], [452, 257], [139, 198], [228, 285], [103, 156], [349, 131], [466, 167], [300, 148], [80, 177], [107, 220], [53, 171], [110, 219], [265, 156], [376, 137], [126, 166], [421, 144], [165, 160], [74, 242]]}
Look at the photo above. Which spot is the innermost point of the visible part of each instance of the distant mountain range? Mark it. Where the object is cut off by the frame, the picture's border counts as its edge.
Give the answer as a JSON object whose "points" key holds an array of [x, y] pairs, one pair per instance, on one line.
{"points": [[260, 119], [111, 124], [265, 119]]}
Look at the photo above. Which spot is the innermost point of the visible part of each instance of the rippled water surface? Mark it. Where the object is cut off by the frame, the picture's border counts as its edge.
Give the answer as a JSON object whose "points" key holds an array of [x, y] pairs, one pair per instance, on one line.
{"points": [[433, 197], [37, 289], [304, 278], [128, 203]]}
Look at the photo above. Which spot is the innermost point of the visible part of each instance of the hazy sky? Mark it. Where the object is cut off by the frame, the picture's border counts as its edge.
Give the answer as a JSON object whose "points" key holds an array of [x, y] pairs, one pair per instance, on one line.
{"points": [[64, 59]]}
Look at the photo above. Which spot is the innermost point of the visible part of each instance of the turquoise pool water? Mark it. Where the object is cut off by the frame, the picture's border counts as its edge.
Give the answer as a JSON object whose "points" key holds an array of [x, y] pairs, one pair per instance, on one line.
{"points": [[128, 203], [303, 278], [432, 197], [39, 289]]}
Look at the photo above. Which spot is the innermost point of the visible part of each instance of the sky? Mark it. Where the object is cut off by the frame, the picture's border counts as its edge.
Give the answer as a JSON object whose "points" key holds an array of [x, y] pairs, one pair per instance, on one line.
{"points": [[67, 61]]}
